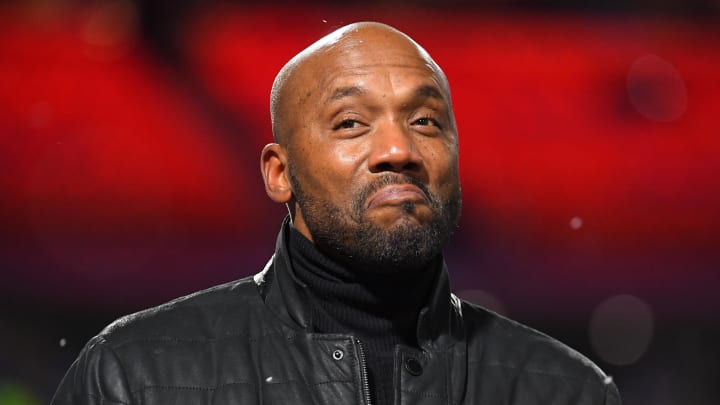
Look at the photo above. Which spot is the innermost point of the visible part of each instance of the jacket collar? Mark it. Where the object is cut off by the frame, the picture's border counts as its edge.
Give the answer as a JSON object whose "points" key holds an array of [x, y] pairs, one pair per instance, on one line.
{"points": [[438, 327]]}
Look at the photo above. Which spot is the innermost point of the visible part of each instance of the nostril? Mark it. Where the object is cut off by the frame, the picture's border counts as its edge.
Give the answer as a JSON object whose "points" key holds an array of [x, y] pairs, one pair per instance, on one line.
{"points": [[384, 167], [411, 167], [391, 167]]}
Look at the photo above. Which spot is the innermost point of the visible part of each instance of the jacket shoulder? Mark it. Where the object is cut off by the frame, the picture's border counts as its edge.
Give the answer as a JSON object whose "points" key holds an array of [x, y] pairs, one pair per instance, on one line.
{"points": [[178, 337], [532, 360], [202, 315]]}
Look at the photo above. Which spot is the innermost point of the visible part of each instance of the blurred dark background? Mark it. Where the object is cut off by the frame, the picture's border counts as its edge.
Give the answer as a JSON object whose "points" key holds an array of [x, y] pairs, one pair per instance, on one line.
{"points": [[590, 154]]}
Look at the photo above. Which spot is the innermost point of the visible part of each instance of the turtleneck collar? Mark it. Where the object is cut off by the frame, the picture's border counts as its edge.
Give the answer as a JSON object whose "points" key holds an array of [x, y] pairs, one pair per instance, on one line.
{"points": [[381, 308]]}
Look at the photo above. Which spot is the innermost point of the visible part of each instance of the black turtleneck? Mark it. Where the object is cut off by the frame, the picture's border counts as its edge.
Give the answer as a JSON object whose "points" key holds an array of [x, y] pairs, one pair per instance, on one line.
{"points": [[380, 310]]}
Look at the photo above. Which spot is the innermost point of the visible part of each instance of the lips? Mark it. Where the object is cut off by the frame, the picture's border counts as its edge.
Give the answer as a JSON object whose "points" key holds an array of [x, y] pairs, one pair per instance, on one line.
{"points": [[397, 194]]}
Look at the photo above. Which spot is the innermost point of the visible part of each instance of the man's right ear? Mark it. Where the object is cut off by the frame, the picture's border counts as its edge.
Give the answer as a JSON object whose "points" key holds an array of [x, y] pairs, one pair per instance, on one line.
{"points": [[274, 168]]}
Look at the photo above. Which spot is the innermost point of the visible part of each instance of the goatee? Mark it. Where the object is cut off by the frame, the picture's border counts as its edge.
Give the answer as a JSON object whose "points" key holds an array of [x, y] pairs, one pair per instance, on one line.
{"points": [[350, 237]]}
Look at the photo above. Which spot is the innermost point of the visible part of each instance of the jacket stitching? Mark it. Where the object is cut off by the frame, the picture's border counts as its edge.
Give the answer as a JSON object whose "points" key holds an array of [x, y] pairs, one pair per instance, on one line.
{"points": [[181, 340], [331, 382], [190, 388], [100, 397], [540, 372], [424, 395], [119, 363], [307, 385]]}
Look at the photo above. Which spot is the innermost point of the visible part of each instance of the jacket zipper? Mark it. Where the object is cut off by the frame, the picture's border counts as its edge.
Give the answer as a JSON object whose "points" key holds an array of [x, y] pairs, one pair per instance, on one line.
{"points": [[363, 373]]}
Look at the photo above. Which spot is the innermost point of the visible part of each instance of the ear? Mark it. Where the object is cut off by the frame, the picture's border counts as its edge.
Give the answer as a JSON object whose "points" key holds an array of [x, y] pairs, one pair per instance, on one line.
{"points": [[273, 165]]}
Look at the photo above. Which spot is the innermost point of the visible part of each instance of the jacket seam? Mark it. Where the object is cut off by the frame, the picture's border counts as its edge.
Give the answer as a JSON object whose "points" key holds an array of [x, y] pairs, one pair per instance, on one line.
{"points": [[182, 340], [198, 388], [191, 388], [308, 385], [100, 397], [424, 395], [330, 382], [582, 381], [119, 363]]}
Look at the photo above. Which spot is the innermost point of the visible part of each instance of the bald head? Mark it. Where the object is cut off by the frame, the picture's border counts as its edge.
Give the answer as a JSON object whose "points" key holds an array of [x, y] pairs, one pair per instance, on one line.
{"points": [[302, 79]]}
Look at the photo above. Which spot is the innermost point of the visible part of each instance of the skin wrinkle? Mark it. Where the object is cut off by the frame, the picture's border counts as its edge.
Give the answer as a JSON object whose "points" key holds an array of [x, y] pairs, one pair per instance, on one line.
{"points": [[358, 112]]}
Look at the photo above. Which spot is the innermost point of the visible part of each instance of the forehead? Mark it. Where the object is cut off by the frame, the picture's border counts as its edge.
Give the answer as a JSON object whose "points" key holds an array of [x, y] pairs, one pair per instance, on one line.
{"points": [[363, 63]]}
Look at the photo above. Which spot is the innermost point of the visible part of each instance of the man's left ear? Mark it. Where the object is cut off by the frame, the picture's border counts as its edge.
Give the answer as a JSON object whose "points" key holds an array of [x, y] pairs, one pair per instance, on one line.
{"points": [[273, 165]]}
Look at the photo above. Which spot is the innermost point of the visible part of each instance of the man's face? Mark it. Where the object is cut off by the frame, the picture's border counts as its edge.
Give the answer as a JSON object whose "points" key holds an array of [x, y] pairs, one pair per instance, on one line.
{"points": [[373, 157]]}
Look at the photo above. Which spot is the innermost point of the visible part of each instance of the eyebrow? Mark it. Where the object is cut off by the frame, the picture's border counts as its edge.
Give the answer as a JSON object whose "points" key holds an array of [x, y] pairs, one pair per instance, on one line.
{"points": [[426, 91], [342, 92]]}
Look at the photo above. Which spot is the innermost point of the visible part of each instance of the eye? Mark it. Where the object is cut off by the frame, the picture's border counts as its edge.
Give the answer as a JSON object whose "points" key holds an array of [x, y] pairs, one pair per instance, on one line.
{"points": [[425, 121], [347, 124]]}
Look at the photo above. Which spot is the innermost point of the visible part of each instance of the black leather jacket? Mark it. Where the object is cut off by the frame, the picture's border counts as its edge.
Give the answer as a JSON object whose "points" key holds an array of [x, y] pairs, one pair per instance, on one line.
{"points": [[248, 342]]}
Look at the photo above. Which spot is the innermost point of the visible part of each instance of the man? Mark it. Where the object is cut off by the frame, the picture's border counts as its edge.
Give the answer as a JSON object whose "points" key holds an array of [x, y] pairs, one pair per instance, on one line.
{"points": [[355, 305]]}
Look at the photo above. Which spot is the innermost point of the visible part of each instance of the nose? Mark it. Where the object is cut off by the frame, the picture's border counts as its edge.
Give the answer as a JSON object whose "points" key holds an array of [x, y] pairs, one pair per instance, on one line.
{"points": [[394, 149]]}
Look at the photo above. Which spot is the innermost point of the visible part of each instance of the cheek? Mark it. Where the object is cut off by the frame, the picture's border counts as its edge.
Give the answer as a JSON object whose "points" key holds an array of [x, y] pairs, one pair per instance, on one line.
{"points": [[328, 172], [345, 159], [443, 169], [441, 159], [348, 160]]}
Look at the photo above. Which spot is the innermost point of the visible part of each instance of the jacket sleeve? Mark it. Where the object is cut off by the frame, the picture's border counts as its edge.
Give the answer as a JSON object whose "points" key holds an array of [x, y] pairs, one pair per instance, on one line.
{"points": [[95, 378], [612, 395]]}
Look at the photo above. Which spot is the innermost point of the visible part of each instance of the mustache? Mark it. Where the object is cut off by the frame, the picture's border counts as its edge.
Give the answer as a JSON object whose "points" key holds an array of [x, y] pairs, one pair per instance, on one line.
{"points": [[388, 179]]}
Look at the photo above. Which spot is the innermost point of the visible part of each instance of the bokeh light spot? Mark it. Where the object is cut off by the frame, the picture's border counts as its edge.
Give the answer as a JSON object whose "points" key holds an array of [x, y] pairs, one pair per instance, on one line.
{"points": [[576, 223], [621, 329], [656, 89]]}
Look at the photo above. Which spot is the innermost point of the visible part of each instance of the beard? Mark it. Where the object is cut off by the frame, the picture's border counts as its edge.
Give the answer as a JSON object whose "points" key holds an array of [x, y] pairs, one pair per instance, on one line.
{"points": [[351, 237]]}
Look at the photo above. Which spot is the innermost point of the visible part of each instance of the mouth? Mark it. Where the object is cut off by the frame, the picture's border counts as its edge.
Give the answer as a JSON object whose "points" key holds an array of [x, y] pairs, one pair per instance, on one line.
{"points": [[397, 194]]}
